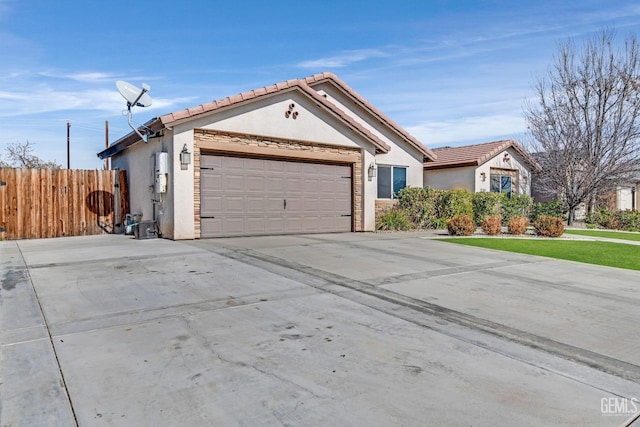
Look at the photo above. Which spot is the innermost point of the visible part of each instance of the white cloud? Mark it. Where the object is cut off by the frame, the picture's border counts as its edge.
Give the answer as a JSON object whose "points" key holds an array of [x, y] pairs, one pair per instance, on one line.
{"points": [[51, 100], [468, 130], [343, 59]]}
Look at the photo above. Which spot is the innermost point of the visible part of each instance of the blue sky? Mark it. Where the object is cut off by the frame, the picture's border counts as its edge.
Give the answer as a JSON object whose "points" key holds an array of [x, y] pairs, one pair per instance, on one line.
{"points": [[450, 72]]}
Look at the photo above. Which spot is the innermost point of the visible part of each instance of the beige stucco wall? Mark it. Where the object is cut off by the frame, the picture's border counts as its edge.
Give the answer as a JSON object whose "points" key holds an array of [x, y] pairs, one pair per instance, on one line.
{"points": [[139, 162], [451, 179], [401, 153]]}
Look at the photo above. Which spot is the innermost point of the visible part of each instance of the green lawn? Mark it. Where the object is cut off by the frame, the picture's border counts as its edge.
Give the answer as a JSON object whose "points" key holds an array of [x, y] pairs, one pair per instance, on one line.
{"points": [[610, 234], [600, 253]]}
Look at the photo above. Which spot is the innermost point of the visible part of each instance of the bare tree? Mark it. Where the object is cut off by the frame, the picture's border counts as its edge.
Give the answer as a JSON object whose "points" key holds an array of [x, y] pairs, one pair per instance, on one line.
{"points": [[20, 155], [585, 126]]}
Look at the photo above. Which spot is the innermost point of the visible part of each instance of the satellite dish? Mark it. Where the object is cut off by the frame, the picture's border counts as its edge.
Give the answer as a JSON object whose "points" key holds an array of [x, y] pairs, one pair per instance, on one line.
{"points": [[135, 98]]}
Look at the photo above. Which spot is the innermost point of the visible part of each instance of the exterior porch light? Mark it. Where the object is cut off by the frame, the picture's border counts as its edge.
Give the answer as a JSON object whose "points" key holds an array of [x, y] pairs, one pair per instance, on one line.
{"points": [[372, 170], [185, 158], [483, 176]]}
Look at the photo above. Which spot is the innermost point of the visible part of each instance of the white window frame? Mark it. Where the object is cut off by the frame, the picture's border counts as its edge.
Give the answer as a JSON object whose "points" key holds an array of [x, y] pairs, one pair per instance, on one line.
{"points": [[391, 175]]}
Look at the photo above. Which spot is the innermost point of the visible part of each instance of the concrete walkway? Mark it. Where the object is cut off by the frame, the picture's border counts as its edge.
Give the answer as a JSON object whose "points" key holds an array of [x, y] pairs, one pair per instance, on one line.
{"points": [[338, 329]]}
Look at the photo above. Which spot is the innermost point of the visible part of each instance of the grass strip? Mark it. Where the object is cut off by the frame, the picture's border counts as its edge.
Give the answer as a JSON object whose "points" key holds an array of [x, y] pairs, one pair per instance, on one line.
{"points": [[617, 255], [609, 234]]}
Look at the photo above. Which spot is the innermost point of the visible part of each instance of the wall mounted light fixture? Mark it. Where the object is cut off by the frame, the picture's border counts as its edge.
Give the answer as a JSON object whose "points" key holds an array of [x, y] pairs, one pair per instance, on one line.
{"points": [[185, 158], [483, 176], [506, 158], [372, 170]]}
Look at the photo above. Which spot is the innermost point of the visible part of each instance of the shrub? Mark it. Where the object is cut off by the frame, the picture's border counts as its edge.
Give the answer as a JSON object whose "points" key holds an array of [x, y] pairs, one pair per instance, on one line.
{"points": [[461, 225], [449, 203], [628, 220], [485, 204], [555, 208], [549, 226], [393, 219], [492, 225], [517, 225], [418, 204], [515, 206]]}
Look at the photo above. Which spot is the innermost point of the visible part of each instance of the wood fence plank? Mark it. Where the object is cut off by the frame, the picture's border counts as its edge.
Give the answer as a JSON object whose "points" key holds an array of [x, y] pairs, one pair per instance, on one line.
{"points": [[55, 203]]}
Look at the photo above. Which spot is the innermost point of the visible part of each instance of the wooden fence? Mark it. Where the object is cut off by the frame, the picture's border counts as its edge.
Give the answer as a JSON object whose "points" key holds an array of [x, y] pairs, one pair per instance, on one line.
{"points": [[39, 203]]}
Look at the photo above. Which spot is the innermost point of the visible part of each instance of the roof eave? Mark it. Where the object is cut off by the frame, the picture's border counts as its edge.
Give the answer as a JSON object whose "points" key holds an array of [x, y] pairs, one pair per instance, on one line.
{"points": [[130, 139], [403, 134]]}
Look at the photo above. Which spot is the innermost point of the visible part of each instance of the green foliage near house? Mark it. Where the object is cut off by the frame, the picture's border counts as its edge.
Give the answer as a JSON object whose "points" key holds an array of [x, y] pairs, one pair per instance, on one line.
{"points": [[454, 202], [554, 208], [394, 219], [515, 206], [621, 220], [485, 204], [428, 208]]}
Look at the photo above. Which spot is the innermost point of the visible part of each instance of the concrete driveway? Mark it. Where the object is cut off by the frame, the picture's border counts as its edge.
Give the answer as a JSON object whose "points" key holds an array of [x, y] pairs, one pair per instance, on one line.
{"points": [[313, 330]]}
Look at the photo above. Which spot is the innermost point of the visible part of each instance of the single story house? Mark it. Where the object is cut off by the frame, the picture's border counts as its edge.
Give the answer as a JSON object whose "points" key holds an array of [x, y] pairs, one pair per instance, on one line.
{"points": [[499, 166], [305, 155]]}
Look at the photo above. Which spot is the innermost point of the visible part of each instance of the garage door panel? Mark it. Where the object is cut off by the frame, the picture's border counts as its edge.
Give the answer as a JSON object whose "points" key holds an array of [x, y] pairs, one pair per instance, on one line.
{"points": [[210, 204], [233, 204], [244, 196], [274, 184], [255, 184]]}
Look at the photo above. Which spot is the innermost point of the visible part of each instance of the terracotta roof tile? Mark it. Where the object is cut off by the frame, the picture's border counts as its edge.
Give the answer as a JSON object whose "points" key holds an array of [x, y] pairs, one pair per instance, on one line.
{"points": [[475, 155], [326, 76], [304, 86]]}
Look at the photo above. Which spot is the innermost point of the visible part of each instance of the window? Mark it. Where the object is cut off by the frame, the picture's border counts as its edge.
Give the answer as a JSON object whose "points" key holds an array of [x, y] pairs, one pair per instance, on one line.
{"points": [[391, 179], [501, 184]]}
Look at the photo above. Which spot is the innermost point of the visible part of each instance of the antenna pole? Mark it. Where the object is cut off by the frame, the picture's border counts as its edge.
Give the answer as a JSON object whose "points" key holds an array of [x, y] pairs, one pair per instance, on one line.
{"points": [[106, 142], [68, 144]]}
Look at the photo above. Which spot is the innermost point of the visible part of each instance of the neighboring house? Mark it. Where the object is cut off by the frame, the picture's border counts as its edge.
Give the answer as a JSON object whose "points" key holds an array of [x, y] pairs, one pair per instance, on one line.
{"points": [[500, 166], [305, 155]]}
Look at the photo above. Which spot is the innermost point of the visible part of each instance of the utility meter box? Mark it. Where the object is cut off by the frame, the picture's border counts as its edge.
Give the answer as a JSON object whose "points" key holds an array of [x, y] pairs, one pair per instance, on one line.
{"points": [[162, 162]]}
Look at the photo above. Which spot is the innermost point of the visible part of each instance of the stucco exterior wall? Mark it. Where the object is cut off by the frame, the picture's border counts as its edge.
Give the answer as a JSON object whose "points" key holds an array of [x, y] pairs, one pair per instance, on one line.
{"points": [[139, 162], [400, 154], [462, 178]]}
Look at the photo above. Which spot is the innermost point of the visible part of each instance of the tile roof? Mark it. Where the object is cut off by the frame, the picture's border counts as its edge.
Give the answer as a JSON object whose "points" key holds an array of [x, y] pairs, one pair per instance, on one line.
{"points": [[303, 85], [475, 155]]}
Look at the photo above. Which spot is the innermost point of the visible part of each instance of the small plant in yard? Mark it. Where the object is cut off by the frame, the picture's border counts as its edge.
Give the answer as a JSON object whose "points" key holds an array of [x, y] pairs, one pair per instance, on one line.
{"points": [[461, 225], [549, 226], [517, 225], [492, 225], [394, 219]]}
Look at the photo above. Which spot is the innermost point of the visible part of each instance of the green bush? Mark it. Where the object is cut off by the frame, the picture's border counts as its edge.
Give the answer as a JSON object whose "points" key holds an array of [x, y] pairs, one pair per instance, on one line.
{"points": [[621, 220], [555, 208], [549, 226], [628, 220], [485, 204], [393, 219], [517, 225], [492, 225], [418, 204], [449, 203], [515, 206], [461, 225]]}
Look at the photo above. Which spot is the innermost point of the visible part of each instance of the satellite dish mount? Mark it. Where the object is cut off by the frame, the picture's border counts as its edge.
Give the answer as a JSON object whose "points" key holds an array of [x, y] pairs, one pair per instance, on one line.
{"points": [[135, 98]]}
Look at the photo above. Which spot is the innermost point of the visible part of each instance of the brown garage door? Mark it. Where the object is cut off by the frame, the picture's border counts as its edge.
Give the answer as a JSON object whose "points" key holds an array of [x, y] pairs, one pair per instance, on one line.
{"points": [[243, 196]]}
